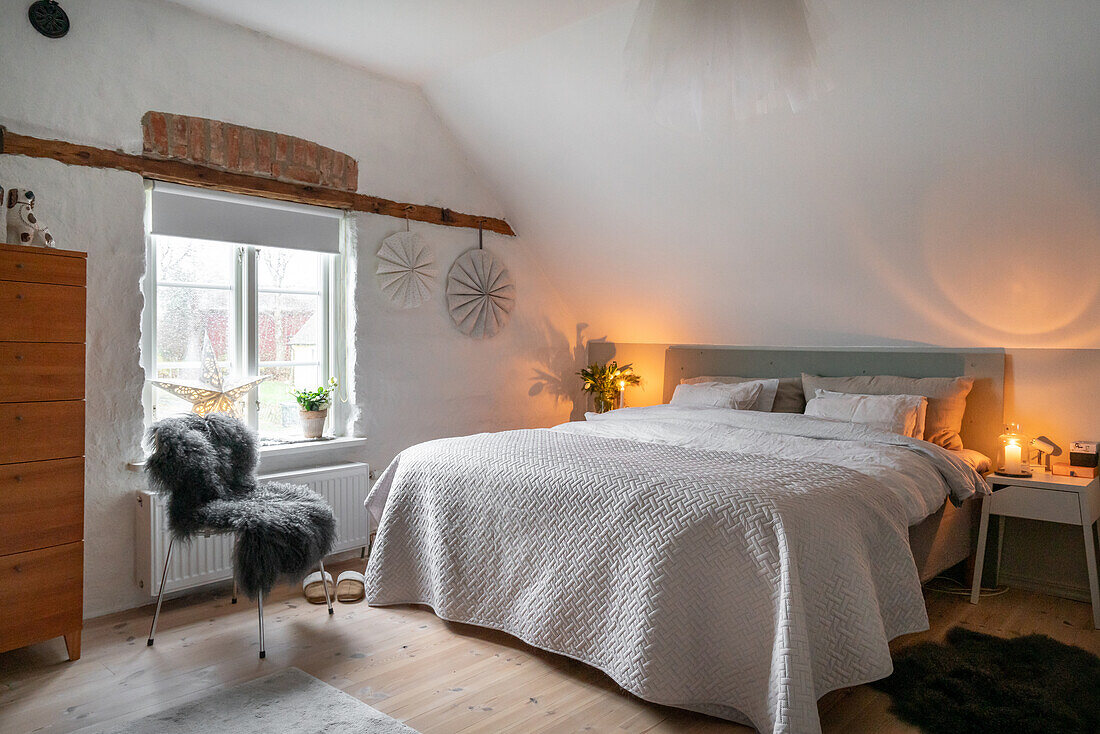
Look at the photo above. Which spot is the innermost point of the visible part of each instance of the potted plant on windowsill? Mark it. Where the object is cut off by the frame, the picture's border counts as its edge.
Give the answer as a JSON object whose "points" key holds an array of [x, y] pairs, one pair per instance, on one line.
{"points": [[607, 382], [314, 406]]}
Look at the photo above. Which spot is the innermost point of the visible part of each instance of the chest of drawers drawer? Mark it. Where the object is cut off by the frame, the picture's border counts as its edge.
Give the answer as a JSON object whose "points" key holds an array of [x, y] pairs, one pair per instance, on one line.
{"points": [[41, 266], [37, 312], [32, 372], [40, 431], [41, 504], [41, 594]]}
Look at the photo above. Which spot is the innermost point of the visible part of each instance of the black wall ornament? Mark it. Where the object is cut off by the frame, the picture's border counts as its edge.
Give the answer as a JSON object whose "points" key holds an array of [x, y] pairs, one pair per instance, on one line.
{"points": [[48, 18]]}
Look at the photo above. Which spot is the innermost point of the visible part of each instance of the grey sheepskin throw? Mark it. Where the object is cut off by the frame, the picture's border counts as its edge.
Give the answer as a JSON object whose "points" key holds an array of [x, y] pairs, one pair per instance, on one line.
{"points": [[981, 683], [206, 466]]}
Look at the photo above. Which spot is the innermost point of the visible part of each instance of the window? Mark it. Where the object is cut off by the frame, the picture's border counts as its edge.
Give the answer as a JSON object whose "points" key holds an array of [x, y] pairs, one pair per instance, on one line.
{"points": [[267, 311]]}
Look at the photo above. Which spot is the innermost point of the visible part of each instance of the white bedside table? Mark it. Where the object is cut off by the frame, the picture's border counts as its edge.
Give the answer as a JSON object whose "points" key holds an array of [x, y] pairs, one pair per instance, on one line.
{"points": [[1043, 496]]}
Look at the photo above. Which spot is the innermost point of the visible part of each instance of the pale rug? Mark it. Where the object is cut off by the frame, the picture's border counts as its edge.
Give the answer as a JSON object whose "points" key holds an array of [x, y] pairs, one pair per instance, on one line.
{"points": [[289, 702]]}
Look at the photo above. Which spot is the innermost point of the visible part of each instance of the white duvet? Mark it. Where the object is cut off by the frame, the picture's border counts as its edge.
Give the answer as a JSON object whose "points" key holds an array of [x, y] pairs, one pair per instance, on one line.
{"points": [[738, 563], [920, 474]]}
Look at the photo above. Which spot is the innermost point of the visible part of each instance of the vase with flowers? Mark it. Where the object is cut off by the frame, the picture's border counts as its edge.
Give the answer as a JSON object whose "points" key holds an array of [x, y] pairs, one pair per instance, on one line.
{"points": [[606, 383], [314, 405]]}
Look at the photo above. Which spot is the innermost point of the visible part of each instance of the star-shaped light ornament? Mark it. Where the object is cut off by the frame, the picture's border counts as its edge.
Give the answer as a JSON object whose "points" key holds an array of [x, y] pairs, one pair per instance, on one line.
{"points": [[212, 394]]}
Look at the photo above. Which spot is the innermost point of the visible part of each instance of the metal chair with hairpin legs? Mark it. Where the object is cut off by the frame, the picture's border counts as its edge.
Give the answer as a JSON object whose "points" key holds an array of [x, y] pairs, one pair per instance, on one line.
{"points": [[259, 599], [205, 467]]}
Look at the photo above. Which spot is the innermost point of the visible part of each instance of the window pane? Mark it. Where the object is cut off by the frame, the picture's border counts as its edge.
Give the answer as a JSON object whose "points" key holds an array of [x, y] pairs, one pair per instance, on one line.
{"points": [[194, 261], [183, 316], [278, 409], [291, 345], [289, 328], [288, 269]]}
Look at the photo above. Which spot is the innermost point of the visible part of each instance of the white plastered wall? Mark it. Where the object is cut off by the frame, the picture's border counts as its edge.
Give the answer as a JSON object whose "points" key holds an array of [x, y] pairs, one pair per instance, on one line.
{"points": [[420, 379]]}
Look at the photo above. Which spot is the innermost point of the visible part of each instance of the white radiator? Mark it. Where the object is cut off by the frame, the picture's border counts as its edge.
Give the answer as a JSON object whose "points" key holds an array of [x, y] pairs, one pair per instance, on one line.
{"points": [[208, 559]]}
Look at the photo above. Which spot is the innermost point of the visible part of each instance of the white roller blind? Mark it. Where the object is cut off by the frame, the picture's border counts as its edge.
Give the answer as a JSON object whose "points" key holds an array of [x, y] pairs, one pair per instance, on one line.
{"points": [[184, 211]]}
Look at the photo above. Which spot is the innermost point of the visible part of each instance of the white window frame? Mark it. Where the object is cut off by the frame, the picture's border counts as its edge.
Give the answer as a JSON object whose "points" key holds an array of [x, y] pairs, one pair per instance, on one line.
{"points": [[245, 344]]}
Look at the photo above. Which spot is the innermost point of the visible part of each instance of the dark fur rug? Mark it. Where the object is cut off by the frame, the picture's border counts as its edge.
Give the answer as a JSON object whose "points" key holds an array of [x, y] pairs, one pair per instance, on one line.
{"points": [[207, 468], [981, 683]]}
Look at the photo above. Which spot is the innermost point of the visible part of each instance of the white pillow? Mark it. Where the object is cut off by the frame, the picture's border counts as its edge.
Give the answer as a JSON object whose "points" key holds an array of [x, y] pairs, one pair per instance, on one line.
{"points": [[768, 389], [946, 399], [922, 411], [738, 397], [976, 459], [895, 413]]}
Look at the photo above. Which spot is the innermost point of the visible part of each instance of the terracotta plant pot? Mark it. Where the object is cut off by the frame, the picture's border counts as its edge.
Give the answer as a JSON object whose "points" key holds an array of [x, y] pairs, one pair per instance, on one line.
{"points": [[313, 422]]}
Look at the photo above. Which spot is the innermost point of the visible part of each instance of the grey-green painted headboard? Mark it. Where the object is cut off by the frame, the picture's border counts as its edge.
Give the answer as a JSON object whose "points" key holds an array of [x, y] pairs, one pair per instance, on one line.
{"points": [[984, 417]]}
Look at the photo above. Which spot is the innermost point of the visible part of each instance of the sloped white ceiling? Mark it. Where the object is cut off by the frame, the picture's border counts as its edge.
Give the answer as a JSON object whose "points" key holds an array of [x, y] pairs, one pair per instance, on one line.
{"points": [[946, 191], [411, 40]]}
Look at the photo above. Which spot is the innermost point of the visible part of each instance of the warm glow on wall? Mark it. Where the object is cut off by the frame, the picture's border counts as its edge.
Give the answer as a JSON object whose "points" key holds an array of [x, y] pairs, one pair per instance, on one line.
{"points": [[1013, 248], [1005, 256]]}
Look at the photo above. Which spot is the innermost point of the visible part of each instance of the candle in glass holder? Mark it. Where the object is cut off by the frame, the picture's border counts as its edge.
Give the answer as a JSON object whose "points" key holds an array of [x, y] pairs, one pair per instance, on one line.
{"points": [[1014, 453], [1013, 459]]}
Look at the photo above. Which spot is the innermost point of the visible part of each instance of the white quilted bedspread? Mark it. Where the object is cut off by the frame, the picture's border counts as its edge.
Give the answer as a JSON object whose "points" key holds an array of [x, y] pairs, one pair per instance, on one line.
{"points": [[723, 561]]}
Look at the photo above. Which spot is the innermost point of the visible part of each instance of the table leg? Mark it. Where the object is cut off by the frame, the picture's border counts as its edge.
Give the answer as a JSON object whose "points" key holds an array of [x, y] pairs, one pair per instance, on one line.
{"points": [[1000, 547], [1094, 582], [979, 559]]}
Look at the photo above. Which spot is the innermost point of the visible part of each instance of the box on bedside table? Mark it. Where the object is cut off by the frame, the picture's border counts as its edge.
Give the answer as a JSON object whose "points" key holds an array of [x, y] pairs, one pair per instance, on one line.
{"points": [[1068, 470], [1083, 453]]}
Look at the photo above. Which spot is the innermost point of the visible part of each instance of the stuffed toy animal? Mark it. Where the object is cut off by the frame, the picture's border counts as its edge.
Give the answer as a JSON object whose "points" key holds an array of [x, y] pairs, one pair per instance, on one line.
{"points": [[23, 226]]}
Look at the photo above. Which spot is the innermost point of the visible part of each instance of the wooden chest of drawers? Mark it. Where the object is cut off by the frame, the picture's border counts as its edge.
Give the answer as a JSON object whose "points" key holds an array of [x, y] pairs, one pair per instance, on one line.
{"points": [[42, 312]]}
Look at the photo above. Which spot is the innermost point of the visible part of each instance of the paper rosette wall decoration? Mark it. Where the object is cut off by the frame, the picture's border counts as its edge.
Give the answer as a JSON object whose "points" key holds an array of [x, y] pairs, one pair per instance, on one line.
{"points": [[406, 269], [480, 294]]}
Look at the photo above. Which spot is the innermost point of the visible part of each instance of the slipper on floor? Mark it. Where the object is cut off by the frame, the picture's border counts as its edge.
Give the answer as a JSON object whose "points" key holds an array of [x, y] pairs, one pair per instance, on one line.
{"points": [[314, 589], [350, 587]]}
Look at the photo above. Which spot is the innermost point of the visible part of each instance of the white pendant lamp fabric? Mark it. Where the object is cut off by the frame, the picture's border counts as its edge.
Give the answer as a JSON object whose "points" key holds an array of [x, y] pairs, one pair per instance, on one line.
{"points": [[406, 269], [480, 294], [703, 63]]}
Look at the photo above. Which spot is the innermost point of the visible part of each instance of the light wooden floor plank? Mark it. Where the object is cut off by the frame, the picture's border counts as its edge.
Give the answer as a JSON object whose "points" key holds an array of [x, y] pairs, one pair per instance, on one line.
{"points": [[437, 676]]}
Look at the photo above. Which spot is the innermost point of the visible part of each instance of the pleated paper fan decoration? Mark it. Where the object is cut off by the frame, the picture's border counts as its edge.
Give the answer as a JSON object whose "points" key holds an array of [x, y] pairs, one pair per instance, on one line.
{"points": [[480, 294], [406, 269]]}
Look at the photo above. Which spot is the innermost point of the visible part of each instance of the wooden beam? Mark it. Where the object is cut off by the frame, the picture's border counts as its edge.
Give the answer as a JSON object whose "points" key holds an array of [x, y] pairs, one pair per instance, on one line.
{"points": [[193, 174]]}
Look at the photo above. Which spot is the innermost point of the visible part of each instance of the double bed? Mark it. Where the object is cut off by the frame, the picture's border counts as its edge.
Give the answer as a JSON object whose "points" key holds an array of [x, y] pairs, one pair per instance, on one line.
{"points": [[733, 562]]}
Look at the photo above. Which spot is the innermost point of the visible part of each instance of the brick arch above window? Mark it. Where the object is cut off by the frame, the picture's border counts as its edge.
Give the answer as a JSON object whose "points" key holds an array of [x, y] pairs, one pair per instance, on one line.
{"points": [[246, 150]]}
